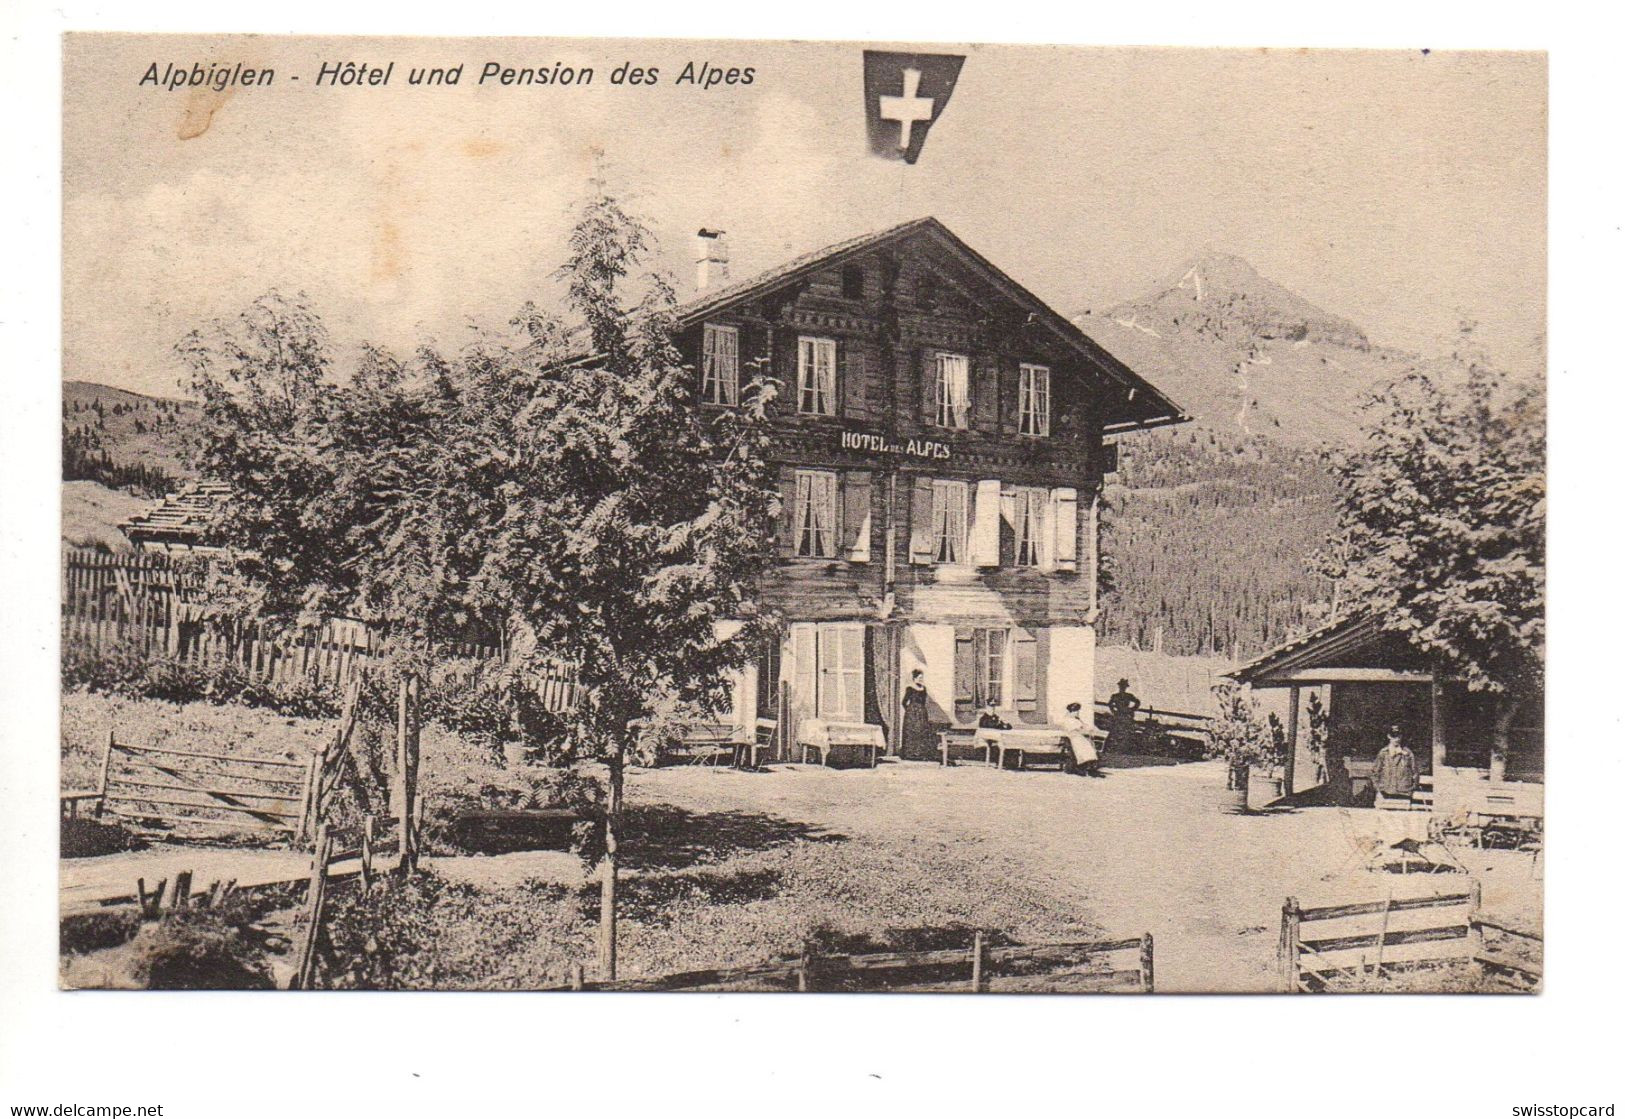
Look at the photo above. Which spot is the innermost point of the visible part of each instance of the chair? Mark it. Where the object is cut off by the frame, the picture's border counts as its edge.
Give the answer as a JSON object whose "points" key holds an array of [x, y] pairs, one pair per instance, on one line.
{"points": [[1366, 851]]}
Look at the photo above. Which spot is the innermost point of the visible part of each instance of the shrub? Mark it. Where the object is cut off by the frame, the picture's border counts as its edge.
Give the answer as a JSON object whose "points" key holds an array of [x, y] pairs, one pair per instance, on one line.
{"points": [[135, 673], [198, 950], [82, 839], [88, 932]]}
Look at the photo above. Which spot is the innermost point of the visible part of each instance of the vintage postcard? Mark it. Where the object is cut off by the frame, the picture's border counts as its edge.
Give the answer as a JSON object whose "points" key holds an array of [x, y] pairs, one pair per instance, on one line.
{"points": [[660, 515]]}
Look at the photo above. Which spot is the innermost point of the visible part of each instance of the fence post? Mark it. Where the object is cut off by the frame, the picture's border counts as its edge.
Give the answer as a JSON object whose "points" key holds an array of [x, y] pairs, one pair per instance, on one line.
{"points": [[1291, 922], [406, 765], [308, 813], [577, 979], [1475, 931], [182, 892], [305, 972], [107, 764], [1148, 979], [366, 853], [978, 948]]}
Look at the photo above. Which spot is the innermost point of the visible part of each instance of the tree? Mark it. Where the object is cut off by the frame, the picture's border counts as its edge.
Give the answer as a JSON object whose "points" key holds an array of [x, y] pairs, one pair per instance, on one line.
{"points": [[555, 486], [1445, 509]]}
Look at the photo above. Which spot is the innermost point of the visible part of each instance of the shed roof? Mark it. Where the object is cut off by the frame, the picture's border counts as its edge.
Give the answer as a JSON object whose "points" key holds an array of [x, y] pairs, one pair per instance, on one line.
{"points": [[1357, 648]]}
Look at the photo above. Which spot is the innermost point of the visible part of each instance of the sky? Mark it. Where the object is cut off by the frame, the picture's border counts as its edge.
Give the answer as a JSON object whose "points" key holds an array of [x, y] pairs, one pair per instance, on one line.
{"points": [[1402, 190]]}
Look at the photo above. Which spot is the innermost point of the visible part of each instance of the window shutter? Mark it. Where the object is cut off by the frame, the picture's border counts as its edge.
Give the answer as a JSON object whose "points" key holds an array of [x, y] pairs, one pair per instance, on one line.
{"points": [[1007, 529], [964, 674], [851, 639], [1024, 652], [984, 395], [803, 672], [919, 523], [984, 548], [856, 515], [1064, 521], [1010, 404], [852, 381], [787, 510], [928, 386]]}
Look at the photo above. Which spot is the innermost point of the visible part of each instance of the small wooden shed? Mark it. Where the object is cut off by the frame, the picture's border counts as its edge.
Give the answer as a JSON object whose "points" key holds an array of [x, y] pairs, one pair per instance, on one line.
{"points": [[1370, 679]]}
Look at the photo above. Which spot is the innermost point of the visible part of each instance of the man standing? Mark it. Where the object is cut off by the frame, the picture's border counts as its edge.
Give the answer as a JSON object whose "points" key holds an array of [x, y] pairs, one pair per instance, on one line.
{"points": [[1395, 775], [1123, 704]]}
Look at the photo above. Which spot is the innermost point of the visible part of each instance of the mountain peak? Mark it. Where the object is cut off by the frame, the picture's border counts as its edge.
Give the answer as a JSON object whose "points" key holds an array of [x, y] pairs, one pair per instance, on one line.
{"points": [[1228, 296]]}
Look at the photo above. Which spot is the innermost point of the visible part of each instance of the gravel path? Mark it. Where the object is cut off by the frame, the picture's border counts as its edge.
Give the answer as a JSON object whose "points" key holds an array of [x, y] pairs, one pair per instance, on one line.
{"points": [[1148, 849]]}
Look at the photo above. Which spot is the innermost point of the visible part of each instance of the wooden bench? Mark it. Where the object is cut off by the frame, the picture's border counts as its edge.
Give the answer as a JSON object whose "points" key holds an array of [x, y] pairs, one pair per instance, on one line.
{"points": [[1025, 743], [962, 739]]}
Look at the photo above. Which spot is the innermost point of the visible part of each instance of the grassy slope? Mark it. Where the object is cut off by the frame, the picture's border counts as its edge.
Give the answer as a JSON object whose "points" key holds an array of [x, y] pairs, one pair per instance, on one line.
{"points": [[91, 514]]}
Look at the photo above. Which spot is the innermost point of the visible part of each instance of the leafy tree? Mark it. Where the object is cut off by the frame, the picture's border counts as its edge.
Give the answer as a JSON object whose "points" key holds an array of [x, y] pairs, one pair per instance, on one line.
{"points": [[555, 486], [1445, 509]]}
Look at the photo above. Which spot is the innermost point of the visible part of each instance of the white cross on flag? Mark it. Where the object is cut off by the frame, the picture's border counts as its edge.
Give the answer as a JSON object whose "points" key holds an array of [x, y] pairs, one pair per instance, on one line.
{"points": [[903, 95]]}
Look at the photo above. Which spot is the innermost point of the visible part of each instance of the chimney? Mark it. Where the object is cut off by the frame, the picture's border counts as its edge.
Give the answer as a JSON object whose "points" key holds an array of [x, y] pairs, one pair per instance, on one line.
{"points": [[710, 259]]}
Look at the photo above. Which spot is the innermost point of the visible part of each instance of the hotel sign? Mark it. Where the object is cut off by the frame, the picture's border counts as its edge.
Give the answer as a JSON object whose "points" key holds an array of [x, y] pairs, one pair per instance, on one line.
{"points": [[881, 445]]}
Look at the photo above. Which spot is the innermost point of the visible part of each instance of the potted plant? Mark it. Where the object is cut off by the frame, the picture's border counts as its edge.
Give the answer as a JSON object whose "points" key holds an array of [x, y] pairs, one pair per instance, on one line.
{"points": [[1243, 739]]}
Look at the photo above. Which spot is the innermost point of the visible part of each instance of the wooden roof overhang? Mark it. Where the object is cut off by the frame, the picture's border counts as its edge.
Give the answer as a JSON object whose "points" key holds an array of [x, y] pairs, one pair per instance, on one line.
{"points": [[1356, 650]]}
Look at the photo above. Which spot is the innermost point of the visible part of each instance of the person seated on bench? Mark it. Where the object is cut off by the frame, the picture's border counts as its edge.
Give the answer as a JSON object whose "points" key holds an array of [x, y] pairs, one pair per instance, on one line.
{"points": [[989, 718], [1080, 740]]}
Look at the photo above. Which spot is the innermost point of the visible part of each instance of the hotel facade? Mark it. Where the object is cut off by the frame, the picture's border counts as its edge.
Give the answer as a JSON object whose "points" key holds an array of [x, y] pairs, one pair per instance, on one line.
{"points": [[941, 437]]}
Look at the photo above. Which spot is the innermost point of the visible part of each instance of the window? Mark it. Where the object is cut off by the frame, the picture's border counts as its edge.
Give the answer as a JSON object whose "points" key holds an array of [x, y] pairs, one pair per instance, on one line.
{"points": [[826, 672], [720, 381], [840, 672], [949, 508], [953, 390], [1027, 508], [979, 670], [1034, 400], [852, 282], [815, 377], [815, 513]]}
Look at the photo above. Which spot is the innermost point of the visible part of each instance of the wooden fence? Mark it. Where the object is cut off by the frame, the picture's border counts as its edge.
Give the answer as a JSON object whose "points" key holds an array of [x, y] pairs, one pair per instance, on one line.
{"points": [[142, 603], [1354, 951], [1081, 966], [160, 790]]}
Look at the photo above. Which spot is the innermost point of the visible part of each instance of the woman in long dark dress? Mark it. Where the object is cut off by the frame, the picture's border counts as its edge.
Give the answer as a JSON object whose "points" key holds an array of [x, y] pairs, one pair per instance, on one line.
{"points": [[916, 740]]}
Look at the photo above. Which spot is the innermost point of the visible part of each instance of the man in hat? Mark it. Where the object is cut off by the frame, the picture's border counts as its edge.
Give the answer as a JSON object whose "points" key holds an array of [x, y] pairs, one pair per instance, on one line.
{"points": [[1395, 774], [1123, 704]]}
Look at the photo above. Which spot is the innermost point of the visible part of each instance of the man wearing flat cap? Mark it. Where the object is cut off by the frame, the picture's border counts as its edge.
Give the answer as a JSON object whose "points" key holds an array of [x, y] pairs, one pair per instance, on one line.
{"points": [[1395, 774]]}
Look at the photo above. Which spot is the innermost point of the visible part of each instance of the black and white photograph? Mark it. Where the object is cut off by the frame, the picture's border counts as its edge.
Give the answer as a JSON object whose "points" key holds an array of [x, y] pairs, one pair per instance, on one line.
{"points": [[719, 516]]}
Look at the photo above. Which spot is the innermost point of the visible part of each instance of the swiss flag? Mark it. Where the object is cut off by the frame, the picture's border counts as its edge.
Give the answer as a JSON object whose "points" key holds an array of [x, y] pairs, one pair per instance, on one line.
{"points": [[903, 95]]}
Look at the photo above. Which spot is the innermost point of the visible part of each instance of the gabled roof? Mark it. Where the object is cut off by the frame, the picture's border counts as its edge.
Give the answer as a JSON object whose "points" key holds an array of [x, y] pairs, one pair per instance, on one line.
{"points": [[1348, 646], [1142, 405]]}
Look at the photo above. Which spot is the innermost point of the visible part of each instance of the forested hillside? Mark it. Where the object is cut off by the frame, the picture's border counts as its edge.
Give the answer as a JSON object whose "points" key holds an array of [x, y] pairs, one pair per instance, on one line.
{"points": [[1206, 538]]}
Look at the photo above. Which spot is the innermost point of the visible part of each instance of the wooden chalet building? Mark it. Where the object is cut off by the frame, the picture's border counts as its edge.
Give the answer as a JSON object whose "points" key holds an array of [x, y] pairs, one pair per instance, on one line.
{"points": [[941, 441]]}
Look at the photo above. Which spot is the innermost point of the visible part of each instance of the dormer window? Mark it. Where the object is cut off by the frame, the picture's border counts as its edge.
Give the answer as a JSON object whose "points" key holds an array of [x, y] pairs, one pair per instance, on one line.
{"points": [[1034, 400], [720, 366]]}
